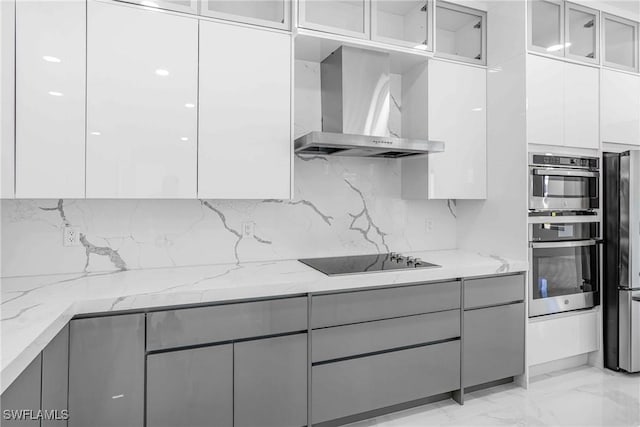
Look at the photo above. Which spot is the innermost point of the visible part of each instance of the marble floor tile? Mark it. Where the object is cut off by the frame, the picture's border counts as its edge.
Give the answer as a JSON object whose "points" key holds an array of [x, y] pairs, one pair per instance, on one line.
{"points": [[584, 396]]}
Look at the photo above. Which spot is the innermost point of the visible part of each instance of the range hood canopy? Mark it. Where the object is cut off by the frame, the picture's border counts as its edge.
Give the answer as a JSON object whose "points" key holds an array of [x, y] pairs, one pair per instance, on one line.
{"points": [[355, 91]]}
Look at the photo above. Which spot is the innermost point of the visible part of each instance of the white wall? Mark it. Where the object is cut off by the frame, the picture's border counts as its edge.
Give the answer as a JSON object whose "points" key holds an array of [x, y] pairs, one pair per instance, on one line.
{"points": [[498, 226]]}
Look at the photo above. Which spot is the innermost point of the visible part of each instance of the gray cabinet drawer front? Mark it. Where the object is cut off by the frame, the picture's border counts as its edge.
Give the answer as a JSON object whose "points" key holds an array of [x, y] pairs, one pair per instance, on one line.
{"points": [[493, 344], [190, 387], [493, 291], [24, 393], [192, 326], [360, 338], [363, 384], [362, 306]]}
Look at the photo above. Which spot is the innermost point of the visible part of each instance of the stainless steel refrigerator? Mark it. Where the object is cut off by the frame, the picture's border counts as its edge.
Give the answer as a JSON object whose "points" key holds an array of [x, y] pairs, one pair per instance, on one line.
{"points": [[621, 284]]}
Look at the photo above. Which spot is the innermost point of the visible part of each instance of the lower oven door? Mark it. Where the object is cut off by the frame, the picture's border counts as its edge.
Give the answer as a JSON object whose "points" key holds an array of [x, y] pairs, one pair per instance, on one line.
{"points": [[552, 188], [564, 276]]}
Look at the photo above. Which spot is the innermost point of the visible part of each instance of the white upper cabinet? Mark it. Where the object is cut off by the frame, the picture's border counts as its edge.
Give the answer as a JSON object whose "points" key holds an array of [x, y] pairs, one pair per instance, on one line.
{"points": [[142, 92], [456, 115], [403, 22], [345, 17], [244, 149], [562, 103], [564, 29], [7, 98], [545, 100], [50, 99], [620, 43], [269, 13], [620, 107], [581, 106], [461, 33], [186, 6], [546, 21], [582, 29]]}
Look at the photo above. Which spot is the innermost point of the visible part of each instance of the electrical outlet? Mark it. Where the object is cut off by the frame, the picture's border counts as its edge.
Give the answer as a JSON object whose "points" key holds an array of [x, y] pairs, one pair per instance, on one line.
{"points": [[428, 225], [70, 236], [248, 229]]}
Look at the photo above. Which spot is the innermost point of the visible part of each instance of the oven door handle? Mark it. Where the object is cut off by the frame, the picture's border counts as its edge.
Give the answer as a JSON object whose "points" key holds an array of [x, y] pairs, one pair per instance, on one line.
{"points": [[564, 172], [572, 244]]}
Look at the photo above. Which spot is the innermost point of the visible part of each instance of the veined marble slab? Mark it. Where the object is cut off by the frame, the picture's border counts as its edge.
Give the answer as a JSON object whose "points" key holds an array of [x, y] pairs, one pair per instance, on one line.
{"points": [[34, 309]]}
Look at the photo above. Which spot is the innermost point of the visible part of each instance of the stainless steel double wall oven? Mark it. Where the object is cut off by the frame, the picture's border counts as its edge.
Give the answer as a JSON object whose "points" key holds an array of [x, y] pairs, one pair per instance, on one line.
{"points": [[564, 233]]}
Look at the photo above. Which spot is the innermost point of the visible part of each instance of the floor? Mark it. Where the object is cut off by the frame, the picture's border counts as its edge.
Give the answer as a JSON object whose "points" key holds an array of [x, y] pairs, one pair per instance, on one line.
{"points": [[583, 396]]}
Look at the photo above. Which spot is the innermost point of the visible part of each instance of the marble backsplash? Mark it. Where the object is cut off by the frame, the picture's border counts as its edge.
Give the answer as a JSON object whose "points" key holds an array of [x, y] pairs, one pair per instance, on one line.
{"points": [[342, 206]]}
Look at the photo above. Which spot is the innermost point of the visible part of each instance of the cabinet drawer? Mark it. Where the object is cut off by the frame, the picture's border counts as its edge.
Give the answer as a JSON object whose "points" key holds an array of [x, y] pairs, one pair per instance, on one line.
{"points": [[351, 340], [362, 306], [493, 344], [364, 384], [192, 326], [493, 291]]}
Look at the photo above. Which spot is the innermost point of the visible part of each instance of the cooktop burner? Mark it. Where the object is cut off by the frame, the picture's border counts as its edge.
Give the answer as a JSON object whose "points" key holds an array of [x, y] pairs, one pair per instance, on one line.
{"points": [[341, 265]]}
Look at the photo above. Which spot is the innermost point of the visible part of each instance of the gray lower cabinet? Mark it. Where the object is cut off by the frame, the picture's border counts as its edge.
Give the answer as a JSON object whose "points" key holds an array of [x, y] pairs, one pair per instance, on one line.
{"points": [[191, 388], [106, 371], [363, 384], [270, 382], [23, 394], [493, 344], [55, 376]]}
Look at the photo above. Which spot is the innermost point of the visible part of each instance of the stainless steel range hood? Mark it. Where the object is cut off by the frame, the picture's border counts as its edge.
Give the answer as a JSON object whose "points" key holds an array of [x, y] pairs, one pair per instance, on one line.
{"points": [[355, 90]]}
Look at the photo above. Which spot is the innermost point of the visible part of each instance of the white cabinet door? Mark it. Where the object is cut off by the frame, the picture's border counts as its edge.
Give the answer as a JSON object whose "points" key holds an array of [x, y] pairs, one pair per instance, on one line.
{"points": [[50, 99], [581, 106], [7, 98], [142, 79], [620, 107], [244, 148], [457, 116], [545, 100]]}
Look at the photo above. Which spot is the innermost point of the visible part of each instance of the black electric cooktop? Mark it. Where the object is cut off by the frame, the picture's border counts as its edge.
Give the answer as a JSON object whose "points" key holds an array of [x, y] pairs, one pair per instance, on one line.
{"points": [[341, 265]]}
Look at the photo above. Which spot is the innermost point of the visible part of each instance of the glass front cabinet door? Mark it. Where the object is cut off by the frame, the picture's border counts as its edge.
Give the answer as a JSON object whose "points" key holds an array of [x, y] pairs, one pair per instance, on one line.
{"points": [[344, 17], [545, 26], [461, 33], [620, 43], [267, 13], [582, 27], [403, 22]]}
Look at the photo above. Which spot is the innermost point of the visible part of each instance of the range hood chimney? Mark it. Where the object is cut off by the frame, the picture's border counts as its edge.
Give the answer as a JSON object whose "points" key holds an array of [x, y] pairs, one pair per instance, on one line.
{"points": [[355, 90]]}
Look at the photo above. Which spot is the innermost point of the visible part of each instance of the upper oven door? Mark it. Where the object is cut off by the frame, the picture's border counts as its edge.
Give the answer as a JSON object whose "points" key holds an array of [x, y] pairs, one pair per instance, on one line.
{"points": [[557, 189]]}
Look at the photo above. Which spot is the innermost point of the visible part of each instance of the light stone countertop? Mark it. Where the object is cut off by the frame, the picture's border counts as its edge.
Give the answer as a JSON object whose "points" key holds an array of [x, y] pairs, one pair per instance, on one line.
{"points": [[35, 308]]}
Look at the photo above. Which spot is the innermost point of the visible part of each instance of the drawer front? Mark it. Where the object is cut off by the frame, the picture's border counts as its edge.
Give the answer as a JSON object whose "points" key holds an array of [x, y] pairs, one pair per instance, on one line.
{"points": [[493, 344], [493, 291], [361, 338], [362, 306], [192, 326], [364, 384]]}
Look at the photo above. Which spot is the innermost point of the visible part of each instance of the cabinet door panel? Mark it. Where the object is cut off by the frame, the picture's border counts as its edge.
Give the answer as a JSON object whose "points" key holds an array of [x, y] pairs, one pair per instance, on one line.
{"points": [[244, 149], [23, 394], [55, 376], [191, 387], [582, 104], [7, 100], [545, 101], [141, 97], [620, 107], [364, 384], [270, 382], [106, 371], [457, 94], [493, 344], [50, 98]]}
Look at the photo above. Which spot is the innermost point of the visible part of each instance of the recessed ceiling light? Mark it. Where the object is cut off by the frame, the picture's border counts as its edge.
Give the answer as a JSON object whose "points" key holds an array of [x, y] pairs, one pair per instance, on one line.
{"points": [[53, 93], [184, 138], [162, 72], [189, 105], [476, 109], [95, 133], [51, 58]]}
